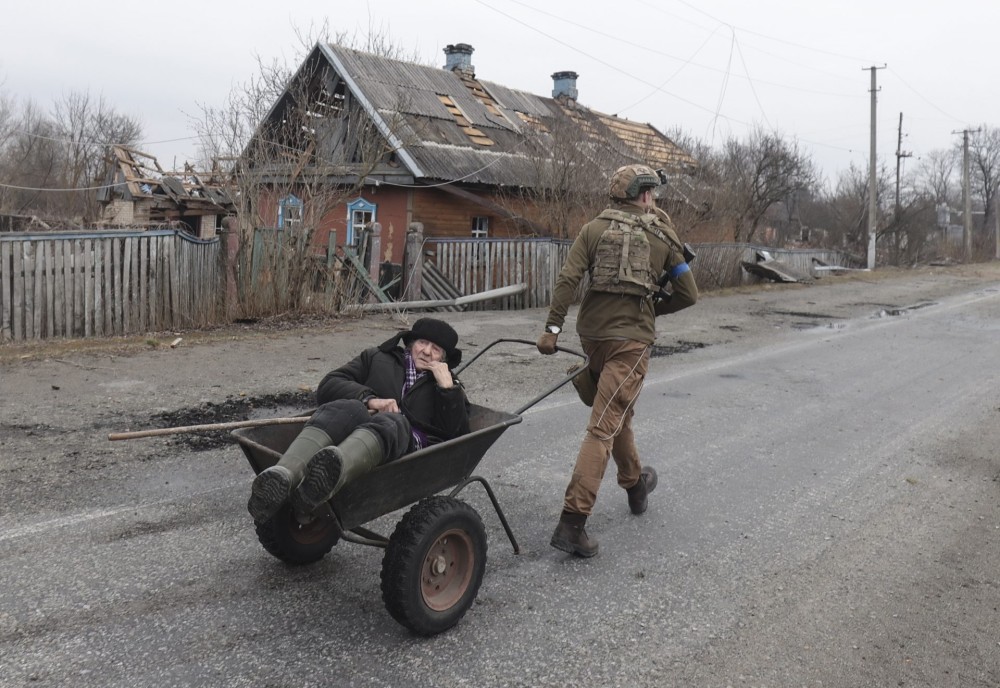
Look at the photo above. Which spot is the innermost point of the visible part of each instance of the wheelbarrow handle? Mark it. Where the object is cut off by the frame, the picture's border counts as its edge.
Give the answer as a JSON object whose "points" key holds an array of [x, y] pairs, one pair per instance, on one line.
{"points": [[552, 388]]}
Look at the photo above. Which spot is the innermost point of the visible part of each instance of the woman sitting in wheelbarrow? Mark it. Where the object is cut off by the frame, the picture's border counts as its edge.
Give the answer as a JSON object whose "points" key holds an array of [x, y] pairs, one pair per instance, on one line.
{"points": [[389, 401]]}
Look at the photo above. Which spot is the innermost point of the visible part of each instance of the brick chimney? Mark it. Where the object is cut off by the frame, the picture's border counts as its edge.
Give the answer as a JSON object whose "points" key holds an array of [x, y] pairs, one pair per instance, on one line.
{"points": [[459, 59], [564, 85]]}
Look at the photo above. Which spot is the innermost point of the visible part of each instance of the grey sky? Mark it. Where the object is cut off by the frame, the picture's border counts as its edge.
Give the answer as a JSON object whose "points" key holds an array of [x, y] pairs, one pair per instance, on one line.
{"points": [[712, 68]]}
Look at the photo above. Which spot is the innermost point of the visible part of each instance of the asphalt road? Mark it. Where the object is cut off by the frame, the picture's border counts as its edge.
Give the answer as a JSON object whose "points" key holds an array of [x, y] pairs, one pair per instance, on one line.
{"points": [[826, 516]]}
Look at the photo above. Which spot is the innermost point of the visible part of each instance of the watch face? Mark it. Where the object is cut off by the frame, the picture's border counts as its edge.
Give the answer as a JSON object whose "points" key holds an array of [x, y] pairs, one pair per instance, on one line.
{"points": [[553, 329]]}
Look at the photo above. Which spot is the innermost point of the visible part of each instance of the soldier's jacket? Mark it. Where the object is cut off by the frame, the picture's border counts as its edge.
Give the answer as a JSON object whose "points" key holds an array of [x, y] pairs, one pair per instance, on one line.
{"points": [[605, 315]]}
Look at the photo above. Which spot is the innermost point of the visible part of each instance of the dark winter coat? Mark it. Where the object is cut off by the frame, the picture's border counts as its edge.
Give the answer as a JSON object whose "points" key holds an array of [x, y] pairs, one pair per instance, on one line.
{"points": [[380, 371]]}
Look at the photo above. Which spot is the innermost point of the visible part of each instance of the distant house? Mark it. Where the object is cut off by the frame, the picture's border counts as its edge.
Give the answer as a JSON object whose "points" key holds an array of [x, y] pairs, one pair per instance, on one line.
{"points": [[406, 143], [137, 192]]}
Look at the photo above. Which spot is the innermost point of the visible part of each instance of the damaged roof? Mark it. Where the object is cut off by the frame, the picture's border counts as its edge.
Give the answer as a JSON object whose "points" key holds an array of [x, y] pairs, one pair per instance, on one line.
{"points": [[445, 124], [134, 176]]}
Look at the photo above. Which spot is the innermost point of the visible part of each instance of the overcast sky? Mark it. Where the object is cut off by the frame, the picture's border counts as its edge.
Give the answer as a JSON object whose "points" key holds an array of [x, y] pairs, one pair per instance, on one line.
{"points": [[712, 68]]}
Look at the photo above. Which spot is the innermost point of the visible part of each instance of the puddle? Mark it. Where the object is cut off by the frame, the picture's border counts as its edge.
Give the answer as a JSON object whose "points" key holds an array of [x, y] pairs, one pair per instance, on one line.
{"points": [[890, 312], [679, 348]]}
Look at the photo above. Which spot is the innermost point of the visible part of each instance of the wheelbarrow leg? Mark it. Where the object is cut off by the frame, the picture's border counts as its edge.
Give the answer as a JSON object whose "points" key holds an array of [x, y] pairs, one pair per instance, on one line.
{"points": [[496, 506]]}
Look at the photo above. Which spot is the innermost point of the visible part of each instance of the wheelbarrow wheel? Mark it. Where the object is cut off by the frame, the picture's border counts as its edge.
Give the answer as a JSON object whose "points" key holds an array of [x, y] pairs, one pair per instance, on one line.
{"points": [[434, 564], [296, 538]]}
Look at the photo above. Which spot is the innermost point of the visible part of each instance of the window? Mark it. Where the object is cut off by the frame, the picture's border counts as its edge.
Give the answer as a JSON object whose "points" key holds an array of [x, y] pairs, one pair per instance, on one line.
{"points": [[359, 213], [289, 212], [480, 227]]}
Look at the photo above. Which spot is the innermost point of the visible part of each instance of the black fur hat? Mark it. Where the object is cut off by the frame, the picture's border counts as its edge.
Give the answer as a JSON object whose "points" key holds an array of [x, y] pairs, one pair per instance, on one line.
{"points": [[439, 332]]}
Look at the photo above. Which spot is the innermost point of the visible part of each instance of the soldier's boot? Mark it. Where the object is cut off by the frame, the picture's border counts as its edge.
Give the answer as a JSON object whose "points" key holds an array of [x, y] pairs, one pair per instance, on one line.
{"points": [[333, 467], [638, 493], [273, 486], [571, 535]]}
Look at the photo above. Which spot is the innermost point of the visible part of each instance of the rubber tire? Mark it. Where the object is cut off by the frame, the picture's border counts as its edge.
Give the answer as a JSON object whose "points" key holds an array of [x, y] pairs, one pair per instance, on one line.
{"points": [[286, 537], [405, 572]]}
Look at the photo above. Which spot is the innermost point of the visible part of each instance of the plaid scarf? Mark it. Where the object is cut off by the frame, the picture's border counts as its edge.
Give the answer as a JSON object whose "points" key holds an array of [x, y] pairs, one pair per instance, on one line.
{"points": [[410, 379]]}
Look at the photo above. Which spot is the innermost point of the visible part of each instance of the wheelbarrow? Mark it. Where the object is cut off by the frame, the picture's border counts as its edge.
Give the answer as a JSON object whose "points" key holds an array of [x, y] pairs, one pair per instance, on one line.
{"points": [[435, 558]]}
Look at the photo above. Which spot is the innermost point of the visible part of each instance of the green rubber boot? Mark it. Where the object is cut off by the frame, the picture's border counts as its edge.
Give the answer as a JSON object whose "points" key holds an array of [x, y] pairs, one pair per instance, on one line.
{"points": [[333, 467], [273, 486]]}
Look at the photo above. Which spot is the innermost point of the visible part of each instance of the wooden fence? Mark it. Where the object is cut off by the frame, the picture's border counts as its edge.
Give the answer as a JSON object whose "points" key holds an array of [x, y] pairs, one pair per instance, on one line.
{"points": [[476, 265], [86, 284], [83, 284]]}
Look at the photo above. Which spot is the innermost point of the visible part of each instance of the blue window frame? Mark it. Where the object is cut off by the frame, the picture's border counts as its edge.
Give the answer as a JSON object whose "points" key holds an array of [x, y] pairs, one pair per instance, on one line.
{"points": [[289, 212], [359, 213]]}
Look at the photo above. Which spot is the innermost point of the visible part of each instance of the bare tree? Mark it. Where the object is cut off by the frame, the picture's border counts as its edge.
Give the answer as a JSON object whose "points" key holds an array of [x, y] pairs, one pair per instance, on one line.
{"points": [[30, 163], [50, 164], [567, 176], [87, 127], [294, 144], [761, 172], [984, 158], [848, 207], [692, 200], [935, 176]]}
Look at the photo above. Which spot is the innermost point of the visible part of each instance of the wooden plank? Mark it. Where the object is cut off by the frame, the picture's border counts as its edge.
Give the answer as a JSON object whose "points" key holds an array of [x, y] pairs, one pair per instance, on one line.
{"points": [[141, 288], [115, 285], [59, 289], [125, 286], [88, 287], [361, 273], [18, 303], [177, 283], [162, 293], [39, 289], [50, 291], [29, 290], [139, 253], [67, 280], [108, 252], [98, 259], [6, 284], [148, 282], [79, 284]]}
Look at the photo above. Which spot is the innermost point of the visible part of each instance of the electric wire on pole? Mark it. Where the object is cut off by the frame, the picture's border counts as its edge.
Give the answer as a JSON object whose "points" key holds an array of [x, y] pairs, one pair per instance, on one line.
{"points": [[872, 186], [966, 195], [900, 154]]}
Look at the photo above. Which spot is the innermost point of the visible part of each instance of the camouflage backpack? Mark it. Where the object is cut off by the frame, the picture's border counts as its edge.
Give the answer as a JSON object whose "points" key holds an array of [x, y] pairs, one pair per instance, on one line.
{"points": [[621, 265]]}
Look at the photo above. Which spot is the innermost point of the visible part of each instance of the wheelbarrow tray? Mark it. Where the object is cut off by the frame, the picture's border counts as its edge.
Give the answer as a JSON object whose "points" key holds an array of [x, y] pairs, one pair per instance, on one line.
{"points": [[398, 483]]}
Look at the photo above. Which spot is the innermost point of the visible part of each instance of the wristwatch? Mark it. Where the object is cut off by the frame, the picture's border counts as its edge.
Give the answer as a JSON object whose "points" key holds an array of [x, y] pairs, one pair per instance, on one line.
{"points": [[553, 329]]}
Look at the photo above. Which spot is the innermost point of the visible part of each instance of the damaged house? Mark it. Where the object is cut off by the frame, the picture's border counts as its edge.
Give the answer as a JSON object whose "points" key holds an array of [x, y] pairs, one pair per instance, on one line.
{"points": [[138, 193], [358, 138]]}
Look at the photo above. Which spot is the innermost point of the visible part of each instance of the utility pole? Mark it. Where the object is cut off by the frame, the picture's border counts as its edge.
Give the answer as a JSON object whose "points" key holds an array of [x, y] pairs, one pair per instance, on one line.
{"points": [[966, 196], [872, 185], [900, 154]]}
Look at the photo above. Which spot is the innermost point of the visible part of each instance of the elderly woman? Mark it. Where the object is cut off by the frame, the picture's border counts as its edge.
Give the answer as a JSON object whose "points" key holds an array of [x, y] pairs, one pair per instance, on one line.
{"points": [[390, 400]]}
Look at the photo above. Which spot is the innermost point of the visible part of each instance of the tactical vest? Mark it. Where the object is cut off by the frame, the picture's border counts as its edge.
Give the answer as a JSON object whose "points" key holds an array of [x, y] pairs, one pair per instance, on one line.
{"points": [[622, 264]]}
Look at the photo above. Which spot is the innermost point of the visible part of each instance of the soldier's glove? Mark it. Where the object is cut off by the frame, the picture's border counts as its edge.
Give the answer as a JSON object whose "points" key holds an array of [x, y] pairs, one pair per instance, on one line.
{"points": [[547, 343]]}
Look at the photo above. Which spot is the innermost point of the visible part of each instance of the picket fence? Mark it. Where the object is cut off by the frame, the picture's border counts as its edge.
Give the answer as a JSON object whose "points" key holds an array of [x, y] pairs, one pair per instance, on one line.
{"points": [[93, 284], [477, 265]]}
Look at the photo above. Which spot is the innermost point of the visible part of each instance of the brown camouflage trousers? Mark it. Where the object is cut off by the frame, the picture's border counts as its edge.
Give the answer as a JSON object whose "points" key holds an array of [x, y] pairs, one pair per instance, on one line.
{"points": [[621, 365]]}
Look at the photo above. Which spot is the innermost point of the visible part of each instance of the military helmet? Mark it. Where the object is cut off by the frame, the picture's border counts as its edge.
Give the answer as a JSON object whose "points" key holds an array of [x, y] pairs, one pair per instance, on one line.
{"points": [[631, 180]]}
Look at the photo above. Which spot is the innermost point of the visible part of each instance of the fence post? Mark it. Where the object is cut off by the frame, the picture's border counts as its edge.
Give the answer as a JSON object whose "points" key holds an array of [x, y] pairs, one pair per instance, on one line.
{"points": [[374, 256], [414, 262]]}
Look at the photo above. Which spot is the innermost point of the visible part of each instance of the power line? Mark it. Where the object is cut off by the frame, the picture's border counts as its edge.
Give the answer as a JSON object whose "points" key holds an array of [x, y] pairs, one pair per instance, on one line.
{"points": [[79, 188], [95, 142]]}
